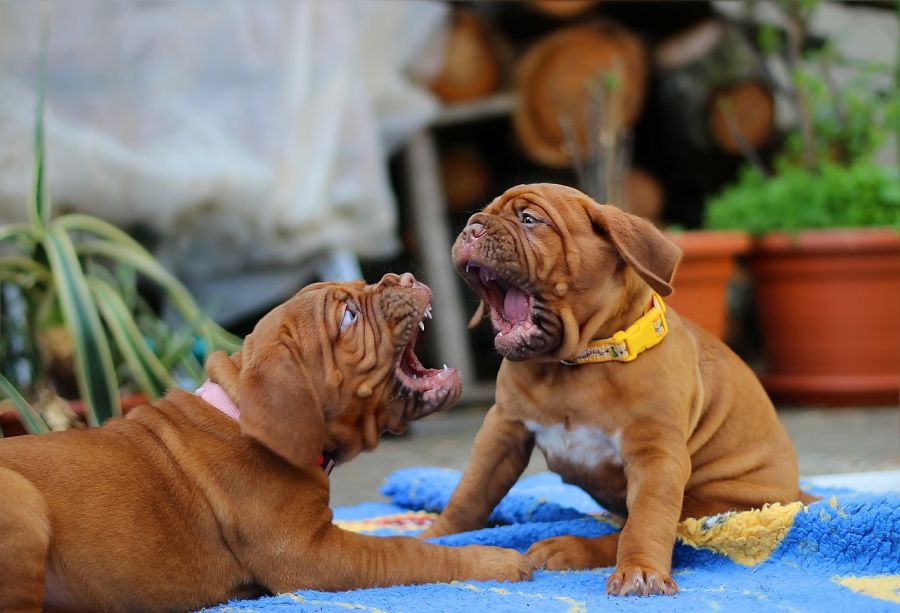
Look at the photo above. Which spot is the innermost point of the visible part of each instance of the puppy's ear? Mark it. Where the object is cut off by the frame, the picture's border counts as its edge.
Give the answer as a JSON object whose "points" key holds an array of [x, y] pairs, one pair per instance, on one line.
{"points": [[278, 402], [478, 315], [643, 247]]}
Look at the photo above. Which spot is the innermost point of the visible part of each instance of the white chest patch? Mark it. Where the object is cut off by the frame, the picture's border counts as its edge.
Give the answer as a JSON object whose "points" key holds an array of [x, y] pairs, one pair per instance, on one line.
{"points": [[580, 445]]}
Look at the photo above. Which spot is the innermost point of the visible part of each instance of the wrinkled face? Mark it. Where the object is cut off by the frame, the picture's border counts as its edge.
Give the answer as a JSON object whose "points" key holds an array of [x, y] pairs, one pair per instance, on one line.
{"points": [[372, 380], [331, 369], [550, 266]]}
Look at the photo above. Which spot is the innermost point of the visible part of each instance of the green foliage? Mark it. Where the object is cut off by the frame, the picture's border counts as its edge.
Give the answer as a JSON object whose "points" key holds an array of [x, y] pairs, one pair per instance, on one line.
{"points": [[862, 194], [768, 40], [828, 179], [851, 121], [80, 273]]}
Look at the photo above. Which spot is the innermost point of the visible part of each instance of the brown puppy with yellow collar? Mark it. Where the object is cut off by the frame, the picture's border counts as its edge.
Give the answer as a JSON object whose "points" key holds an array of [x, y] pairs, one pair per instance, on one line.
{"points": [[683, 429], [180, 505]]}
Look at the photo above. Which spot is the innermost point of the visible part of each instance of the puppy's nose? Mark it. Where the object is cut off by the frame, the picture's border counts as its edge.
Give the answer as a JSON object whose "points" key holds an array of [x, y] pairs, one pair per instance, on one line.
{"points": [[474, 231], [406, 280], [395, 280]]}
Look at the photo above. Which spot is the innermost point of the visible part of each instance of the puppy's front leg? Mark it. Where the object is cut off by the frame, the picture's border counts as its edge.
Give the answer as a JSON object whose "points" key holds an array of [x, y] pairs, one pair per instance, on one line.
{"points": [[339, 560], [657, 467], [499, 455]]}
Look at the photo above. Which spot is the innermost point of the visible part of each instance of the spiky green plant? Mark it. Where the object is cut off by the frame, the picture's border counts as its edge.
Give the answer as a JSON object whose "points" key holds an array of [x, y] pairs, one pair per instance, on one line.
{"points": [[80, 272]]}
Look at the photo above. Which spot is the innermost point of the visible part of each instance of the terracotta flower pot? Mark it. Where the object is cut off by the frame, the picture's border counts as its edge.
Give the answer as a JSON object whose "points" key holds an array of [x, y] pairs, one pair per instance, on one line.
{"points": [[11, 426], [701, 280], [829, 305]]}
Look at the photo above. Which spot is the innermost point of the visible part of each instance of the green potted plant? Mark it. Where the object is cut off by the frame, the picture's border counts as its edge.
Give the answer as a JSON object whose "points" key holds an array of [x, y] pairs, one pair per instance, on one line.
{"points": [[69, 308], [825, 263]]}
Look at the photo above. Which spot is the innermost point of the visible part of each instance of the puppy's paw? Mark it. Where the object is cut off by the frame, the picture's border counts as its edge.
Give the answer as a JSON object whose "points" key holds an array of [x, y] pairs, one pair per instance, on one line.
{"points": [[497, 564], [634, 580], [572, 553]]}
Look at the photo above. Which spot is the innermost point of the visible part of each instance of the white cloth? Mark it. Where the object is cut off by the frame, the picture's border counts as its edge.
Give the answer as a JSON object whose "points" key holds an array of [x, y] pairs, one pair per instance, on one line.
{"points": [[248, 134]]}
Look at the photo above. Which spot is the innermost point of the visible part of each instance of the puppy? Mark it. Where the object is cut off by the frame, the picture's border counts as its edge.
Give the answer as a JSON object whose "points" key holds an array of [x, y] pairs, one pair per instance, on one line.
{"points": [[199, 499], [668, 425]]}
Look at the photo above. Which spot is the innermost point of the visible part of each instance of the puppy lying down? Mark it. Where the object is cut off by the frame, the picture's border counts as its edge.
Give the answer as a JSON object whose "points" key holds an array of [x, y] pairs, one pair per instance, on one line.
{"points": [[201, 498]]}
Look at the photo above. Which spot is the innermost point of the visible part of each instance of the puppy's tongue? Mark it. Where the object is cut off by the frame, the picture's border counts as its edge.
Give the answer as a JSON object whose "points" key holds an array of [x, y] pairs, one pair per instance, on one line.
{"points": [[515, 304]]}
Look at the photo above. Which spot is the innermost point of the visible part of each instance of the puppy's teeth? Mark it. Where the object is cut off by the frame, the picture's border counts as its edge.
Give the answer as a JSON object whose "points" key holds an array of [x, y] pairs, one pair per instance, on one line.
{"points": [[445, 367], [421, 325]]}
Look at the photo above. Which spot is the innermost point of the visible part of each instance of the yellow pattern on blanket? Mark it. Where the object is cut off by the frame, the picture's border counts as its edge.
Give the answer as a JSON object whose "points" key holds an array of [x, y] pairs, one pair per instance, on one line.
{"points": [[883, 587], [747, 538]]}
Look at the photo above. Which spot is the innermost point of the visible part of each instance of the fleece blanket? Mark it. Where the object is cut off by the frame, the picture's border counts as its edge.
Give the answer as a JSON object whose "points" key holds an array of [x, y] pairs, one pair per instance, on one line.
{"points": [[839, 554]]}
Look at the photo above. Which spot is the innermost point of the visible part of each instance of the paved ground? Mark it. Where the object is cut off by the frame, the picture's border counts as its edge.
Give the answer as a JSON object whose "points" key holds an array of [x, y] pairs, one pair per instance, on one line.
{"points": [[827, 441]]}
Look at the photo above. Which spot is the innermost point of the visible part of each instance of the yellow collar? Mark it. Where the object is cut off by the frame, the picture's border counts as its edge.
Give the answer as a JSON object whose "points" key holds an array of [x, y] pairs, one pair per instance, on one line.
{"points": [[625, 346]]}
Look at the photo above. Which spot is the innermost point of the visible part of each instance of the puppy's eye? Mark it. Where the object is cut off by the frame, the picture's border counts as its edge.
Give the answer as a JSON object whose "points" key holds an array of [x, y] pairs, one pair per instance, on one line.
{"points": [[347, 318], [529, 220]]}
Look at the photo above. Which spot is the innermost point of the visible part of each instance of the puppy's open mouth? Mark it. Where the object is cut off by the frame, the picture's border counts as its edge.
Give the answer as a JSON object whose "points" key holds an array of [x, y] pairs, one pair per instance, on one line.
{"points": [[524, 325], [432, 388], [510, 304]]}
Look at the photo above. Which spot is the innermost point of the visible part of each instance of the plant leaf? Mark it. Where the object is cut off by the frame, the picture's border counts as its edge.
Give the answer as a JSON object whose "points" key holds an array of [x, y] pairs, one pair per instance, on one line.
{"points": [[181, 298], [96, 376], [148, 372], [21, 279], [123, 248], [30, 418], [180, 342], [193, 368], [119, 246], [13, 231], [46, 308], [39, 211], [126, 279], [26, 266]]}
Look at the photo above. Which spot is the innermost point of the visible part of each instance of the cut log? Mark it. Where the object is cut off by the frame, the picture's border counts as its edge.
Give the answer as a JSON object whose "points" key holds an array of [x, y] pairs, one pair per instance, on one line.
{"points": [[466, 178], [556, 84], [689, 46], [471, 67], [563, 8], [715, 88], [742, 115], [643, 194]]}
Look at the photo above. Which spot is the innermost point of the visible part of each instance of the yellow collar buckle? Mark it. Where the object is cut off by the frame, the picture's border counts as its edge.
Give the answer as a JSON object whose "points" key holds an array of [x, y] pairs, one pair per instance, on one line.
{"points": [[626, 345]]}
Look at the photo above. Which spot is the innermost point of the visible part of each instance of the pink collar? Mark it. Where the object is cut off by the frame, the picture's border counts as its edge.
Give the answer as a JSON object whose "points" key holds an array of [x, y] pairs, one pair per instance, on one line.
{"points": [[214, 394]]}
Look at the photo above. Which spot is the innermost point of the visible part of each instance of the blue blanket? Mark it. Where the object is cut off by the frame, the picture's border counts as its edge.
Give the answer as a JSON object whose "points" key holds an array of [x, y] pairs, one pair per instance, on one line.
{"points": [[839, 554]]}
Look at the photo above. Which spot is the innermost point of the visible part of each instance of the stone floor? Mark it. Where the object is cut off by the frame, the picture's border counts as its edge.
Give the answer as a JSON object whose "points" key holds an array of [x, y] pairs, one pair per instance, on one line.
{"points": [[827, 441]]}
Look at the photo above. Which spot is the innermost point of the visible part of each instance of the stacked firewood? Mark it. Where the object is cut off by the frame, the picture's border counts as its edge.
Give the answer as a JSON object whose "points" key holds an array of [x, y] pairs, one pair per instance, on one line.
{"points": [[649, 106]]}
